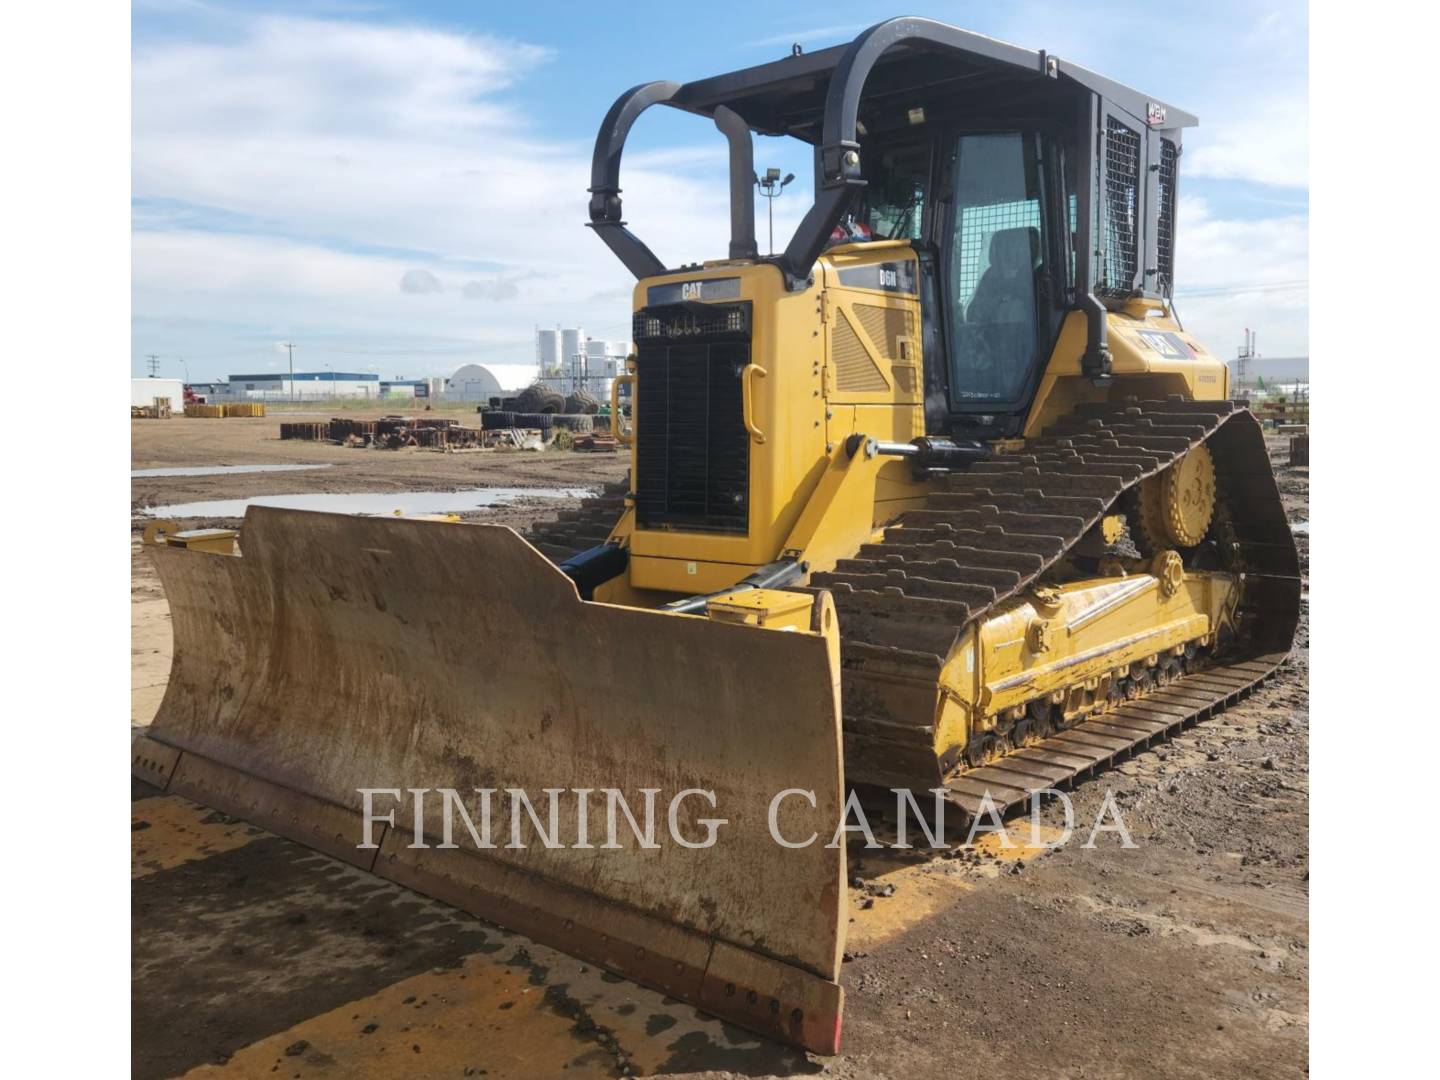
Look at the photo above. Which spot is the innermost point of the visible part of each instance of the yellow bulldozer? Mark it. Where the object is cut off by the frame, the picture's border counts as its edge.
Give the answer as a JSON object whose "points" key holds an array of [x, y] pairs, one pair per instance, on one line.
{"points": [[941, 498]]}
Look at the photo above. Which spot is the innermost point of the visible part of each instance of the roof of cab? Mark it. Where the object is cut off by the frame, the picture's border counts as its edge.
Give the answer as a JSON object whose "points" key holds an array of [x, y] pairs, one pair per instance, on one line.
{"points": [[788, 96]]}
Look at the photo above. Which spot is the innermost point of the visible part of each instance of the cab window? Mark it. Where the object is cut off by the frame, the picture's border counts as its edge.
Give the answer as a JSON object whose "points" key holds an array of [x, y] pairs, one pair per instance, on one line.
{"points": [[997, 298], [899, 178]]}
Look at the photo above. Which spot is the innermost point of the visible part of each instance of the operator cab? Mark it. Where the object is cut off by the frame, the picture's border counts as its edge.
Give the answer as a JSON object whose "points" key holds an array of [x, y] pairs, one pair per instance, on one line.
{"points": [[991, 213], [1029, 187]]}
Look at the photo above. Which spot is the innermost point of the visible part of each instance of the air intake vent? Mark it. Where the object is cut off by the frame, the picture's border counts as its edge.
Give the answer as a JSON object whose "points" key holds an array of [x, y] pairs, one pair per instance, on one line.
{"points": [[692, 452], [885, 326], [693, 320], [1121, 209], [855, 371]]}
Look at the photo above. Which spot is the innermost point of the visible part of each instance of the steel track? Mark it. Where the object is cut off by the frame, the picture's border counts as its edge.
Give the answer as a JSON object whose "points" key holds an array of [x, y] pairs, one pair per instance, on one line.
{"points": [[989, 534]]}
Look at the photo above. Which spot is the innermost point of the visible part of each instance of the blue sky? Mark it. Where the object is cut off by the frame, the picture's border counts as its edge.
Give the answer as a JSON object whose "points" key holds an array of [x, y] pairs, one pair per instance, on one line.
{"points": [[401, 187]]}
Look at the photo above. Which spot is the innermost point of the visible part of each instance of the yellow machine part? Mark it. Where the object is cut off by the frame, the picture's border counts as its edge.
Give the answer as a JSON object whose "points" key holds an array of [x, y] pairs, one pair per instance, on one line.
{"points": [[1176, 506], [840, 359], [1065, 644], [342, 653], [211, 541], [1137, 368], [337, 654], [836, 359]]}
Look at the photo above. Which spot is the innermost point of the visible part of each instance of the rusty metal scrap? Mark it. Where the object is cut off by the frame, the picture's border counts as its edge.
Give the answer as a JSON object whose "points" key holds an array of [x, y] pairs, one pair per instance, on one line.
{"points": [[391, 433], [306, 430]]}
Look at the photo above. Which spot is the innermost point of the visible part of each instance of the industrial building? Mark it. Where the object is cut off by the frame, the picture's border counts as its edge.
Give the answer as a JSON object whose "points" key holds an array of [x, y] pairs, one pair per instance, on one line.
{"points": [[569, 360], [209, 391], [604, 359], [427, 389], [314, 386], [473, 383], [304, 386]]}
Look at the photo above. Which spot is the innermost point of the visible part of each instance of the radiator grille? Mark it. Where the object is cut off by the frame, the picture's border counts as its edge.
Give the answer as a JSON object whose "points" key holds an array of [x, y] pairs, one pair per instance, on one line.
{"points": [[1121, 209], [1165, 224], [692, 452]]}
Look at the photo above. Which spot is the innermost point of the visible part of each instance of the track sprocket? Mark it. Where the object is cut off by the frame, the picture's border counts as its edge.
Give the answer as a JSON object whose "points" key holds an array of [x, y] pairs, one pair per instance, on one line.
{"points": [[1174, 508]]}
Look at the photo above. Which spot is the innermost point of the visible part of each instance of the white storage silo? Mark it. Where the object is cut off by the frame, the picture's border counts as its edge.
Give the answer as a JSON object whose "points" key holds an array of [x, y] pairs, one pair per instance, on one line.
{"points": [[547, 350], [572, 346]]}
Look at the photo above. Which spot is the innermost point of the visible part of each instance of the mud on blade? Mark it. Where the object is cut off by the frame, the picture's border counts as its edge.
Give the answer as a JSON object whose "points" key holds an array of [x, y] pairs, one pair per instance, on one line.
{"points": [[339, 653]]}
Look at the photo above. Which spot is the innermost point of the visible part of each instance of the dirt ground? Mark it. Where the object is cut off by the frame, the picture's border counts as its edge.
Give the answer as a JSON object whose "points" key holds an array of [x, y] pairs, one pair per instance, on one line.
{"points": [[190, 443], [184, 442], [1186, 955]]}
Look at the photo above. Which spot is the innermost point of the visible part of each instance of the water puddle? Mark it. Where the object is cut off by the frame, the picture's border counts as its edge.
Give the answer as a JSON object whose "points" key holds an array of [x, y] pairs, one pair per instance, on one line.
{"points": [[220, 470], [382, 503]]}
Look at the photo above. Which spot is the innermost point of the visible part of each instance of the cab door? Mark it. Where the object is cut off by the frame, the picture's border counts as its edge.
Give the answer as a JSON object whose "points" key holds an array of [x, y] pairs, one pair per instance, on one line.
{"points": [[1002, 266]]}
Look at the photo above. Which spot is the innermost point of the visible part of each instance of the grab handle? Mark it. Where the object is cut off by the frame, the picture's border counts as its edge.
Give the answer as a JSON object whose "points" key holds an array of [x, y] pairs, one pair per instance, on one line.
{"points": [[746, 398], [617, 419]]}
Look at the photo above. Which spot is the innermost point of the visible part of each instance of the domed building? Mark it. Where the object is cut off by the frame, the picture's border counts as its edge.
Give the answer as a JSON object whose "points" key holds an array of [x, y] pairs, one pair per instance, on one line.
{"points": [[473, 383]]}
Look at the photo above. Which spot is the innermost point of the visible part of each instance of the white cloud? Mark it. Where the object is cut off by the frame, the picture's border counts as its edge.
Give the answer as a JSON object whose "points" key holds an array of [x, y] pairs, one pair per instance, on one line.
{"points": [[495, 289], [362, 154], [1239, 65], [337, 139], [1238, 273], [223, 277], [1213, 252], [1263, 138], [328, 77]]}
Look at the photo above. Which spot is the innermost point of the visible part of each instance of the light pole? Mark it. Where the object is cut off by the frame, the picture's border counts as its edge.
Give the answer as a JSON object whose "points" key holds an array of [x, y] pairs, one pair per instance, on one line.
{"points": [[289, 347], [770, 187], [331, 368]]}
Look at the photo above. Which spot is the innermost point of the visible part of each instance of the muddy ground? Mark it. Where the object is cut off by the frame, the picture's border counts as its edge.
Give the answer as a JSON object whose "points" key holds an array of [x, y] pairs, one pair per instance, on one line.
{"points": [[185, 442], [1186, 955]]}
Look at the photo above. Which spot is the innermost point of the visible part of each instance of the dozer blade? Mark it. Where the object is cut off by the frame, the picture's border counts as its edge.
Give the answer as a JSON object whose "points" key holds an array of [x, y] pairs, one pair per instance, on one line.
{"points": [[341, 653]]}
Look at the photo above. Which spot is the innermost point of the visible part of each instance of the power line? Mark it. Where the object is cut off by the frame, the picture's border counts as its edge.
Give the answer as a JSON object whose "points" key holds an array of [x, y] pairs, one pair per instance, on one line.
{"points": [[230, 354], [438, 350], [152, 361], [1234, 290]]}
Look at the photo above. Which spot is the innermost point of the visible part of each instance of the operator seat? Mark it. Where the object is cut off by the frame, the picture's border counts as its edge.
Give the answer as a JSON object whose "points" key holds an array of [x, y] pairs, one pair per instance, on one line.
{"points": [[1006, 293], [998, 340]]}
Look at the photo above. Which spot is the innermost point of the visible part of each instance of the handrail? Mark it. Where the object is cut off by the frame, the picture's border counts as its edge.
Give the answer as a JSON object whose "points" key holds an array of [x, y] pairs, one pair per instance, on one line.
{"points": [[747, 378], [839, 176], [838, 157], [605, 203], [617, 418]]}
